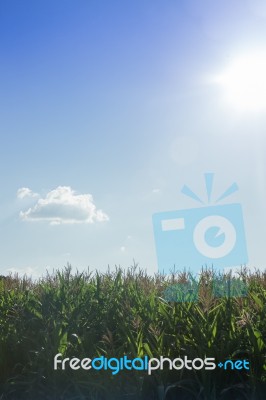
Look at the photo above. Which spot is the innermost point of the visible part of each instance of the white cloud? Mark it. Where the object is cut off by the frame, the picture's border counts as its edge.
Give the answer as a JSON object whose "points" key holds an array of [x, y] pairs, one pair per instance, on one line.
{"points": [[26, 192], [123, 249], [63, 206], [156, 191]]}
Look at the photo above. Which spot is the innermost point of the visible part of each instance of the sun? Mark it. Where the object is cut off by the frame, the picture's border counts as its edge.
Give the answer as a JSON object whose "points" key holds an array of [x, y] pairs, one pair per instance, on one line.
{"points": [[244, 82]]}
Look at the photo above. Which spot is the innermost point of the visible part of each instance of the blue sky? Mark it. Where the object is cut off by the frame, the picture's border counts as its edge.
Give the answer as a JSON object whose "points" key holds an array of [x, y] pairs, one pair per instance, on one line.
{"points": [[119, 100]]}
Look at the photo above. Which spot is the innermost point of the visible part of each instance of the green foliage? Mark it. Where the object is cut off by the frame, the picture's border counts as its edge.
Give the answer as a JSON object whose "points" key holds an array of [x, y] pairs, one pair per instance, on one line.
{"points": [[124, 312]]}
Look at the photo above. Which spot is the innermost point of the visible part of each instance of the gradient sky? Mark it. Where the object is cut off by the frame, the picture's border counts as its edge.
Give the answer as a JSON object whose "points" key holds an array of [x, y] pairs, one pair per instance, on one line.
{"points": [[117, 99]]}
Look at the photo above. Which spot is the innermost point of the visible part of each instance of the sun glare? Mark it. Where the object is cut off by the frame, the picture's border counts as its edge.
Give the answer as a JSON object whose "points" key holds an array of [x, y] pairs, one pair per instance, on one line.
{"points": [[244, 83]]}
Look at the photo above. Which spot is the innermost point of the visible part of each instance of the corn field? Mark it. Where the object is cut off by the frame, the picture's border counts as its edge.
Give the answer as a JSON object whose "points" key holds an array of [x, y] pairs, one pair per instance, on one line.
{"points": [[126, 312]]}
